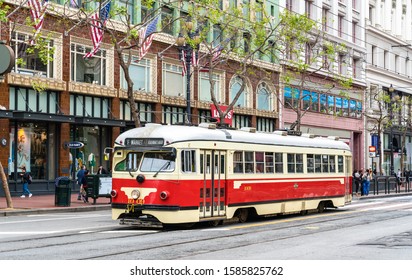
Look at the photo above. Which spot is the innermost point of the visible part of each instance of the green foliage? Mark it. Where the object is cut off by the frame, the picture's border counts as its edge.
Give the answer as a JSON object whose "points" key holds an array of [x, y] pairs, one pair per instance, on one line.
{"points": [[4, 10], [39, 86]]}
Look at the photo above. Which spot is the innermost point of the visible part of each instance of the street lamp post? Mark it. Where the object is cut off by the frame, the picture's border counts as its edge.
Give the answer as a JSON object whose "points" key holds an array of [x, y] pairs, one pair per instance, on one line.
{"points": [[186, 53], [391, 91]]}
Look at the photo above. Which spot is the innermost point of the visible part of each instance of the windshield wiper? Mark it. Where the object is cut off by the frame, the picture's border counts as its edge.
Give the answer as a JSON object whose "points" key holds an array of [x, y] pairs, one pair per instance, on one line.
{"points": [[131, 175], [167, 164]]}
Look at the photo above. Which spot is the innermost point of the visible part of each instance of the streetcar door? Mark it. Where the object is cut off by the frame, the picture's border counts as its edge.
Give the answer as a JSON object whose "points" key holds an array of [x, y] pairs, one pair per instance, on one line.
{"points": [[212, 191], [348, 174]]}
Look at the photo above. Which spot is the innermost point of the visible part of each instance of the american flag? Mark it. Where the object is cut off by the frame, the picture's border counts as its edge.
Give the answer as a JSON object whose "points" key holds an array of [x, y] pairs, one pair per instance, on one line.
{"points": [[146, 35], [97, 20], [194, 60], [37, 11], [215, 56]]}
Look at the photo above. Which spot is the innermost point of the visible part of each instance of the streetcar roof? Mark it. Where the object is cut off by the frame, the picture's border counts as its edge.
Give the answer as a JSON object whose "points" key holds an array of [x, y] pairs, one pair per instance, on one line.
{"points": [[179, 133]]}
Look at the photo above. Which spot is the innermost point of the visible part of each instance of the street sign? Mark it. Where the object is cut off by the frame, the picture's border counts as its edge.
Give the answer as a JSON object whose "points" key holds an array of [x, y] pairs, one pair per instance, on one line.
{"points": [[372, 151]]}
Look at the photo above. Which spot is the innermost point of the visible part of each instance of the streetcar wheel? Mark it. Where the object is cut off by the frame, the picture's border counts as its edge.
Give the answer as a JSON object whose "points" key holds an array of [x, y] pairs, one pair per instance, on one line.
{"points": [[215, 223], [321, 207], [303, 212], [242, 215]]}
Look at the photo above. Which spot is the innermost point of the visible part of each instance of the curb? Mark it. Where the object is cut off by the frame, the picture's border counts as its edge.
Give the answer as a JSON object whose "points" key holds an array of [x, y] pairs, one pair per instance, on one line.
{"points": [[18, 212]]}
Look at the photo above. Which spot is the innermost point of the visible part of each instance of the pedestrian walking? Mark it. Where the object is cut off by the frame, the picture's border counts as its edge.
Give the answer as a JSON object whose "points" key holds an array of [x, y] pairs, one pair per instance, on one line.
{"points": [[366, 177], [101, 170], [358, 181], [83, 187], [80, 175], [399, 177], [26, 180]]}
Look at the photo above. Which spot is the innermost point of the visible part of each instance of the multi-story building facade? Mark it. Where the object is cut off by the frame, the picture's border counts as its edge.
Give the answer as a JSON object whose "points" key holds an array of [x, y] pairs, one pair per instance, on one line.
{"points": [[84, 104], [388, 72], [335, 113]]}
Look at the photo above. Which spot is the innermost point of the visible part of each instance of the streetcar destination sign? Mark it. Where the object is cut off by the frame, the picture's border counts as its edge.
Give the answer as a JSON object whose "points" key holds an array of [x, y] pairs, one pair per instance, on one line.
{"points": [[144, 141]]}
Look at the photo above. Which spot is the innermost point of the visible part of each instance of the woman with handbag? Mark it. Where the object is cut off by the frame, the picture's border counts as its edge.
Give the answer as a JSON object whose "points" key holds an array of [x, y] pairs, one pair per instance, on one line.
{"points": [[83, 187]]}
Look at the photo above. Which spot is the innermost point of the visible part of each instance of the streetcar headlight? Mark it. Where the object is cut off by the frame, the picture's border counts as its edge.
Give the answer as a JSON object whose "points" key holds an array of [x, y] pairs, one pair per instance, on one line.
{"points": [[135, 194]]}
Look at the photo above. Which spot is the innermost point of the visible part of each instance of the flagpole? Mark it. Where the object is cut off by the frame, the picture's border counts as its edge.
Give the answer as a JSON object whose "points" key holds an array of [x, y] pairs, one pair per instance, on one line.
{"points": [[66, 33], [18, 8]]}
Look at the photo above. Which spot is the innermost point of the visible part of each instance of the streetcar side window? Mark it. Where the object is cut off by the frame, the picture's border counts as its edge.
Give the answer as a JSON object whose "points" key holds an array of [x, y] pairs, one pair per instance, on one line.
{"points": [[299, 163], [325, 163], [340, 164], [332, 167], [291, 163], [310, 162], [188, 161], [249, 162], [130, 163], [260, 164], [269, 162], [238, 162], [278, 162], [295, 163], [318, 163]]}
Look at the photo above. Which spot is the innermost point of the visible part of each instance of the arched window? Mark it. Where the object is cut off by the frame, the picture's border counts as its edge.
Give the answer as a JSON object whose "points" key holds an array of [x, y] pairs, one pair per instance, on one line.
{"points": [[235, 86], [264, 97]]}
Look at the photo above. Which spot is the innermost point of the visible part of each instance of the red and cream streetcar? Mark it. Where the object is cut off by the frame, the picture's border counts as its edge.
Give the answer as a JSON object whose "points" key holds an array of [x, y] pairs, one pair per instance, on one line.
{"points": [[187, 174]]}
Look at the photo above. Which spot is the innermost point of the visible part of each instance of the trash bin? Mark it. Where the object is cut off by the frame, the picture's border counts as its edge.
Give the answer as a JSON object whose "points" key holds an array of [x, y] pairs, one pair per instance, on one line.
{"points": [[63, 192]]}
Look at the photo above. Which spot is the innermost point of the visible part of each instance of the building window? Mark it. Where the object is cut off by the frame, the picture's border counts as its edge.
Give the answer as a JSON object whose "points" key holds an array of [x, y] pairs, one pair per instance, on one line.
{"points": [[205, 87], [235, 87], [308, 8], [140, 74], [373, 55], [145, 111], [173, 115], [385, 59], [173, 81], [129, 8], [90, 106], [95, 139], [88, 70], [264, 97], [217, 35], [167, 20], [246, 42], [29, 147], [308, 52], [240, 121], [289, 5], [265, 124], [27, 57], [27, 99], [341, 64], [356, 68], [340, 25], [325, 19], [354, 31]]}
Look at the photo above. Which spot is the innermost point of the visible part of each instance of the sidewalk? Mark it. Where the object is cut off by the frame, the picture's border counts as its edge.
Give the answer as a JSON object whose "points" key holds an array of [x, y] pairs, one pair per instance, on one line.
{"points": [[46, 203], [38, 204]]}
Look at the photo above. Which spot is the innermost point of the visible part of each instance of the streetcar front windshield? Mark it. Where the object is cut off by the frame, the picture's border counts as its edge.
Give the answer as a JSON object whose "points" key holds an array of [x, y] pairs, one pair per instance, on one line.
{"points": [[130, 163], [155, 162]]}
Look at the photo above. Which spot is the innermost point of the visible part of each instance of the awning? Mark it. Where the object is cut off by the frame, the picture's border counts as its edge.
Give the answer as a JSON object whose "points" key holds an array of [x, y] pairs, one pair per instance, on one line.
{"points": [[6, 114], [99, 121], [34, 116]]}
